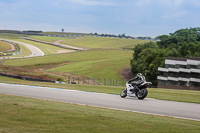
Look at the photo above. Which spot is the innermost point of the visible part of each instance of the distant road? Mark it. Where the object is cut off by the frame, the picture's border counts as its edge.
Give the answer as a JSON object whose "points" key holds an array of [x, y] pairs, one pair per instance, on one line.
{"points": [[34, 50], [181, 110]]}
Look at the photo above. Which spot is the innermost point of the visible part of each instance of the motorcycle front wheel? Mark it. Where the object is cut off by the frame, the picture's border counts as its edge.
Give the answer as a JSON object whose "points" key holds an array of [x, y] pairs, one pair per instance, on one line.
{"points": [[142, 93], [123, 93]]}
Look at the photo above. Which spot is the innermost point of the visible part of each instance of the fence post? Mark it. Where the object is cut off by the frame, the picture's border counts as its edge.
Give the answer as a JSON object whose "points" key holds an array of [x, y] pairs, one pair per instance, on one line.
{"points": [[69, 80], [78, 80], [88, 80]]}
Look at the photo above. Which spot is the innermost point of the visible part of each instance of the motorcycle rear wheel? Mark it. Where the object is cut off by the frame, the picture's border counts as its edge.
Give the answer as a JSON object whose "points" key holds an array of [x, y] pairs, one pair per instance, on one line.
{"points": [[123, 93], [142, 93]]}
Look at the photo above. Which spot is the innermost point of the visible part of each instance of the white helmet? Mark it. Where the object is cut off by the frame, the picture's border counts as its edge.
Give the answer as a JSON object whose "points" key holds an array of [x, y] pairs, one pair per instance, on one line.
{"points": [[139, 74]]}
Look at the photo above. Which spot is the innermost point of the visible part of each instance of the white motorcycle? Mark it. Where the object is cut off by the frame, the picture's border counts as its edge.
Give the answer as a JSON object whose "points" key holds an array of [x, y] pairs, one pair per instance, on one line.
{"points": [[140, 91]]}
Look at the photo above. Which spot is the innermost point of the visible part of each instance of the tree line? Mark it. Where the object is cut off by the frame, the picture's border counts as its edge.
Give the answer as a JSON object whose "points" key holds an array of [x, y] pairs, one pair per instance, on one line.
{"points": [[123, 36], [149, 56]]}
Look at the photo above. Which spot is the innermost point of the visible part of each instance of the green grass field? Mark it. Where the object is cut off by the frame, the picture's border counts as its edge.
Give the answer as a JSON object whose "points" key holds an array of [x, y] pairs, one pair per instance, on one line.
{"points": [[89, 42], [104, 62], [48, 39], [4, 46], [22, 115], [109, 66], [103, 42], [92, 63], [10, 36], [93, 42]]}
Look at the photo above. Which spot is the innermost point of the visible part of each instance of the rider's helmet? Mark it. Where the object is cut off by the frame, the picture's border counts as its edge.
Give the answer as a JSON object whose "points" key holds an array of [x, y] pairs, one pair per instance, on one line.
{"points": [[139, 74]]}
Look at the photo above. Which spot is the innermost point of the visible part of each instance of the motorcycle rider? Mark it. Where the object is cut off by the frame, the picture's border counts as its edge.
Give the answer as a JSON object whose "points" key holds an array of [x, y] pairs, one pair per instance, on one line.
{"points": [[139, 80]]}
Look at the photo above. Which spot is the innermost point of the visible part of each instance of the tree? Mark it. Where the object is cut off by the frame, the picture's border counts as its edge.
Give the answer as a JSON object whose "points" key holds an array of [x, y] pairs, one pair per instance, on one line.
{"points": [[149, 56]]}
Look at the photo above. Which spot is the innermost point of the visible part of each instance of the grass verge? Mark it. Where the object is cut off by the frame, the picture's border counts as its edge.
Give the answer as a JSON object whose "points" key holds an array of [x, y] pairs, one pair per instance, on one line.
{"points": [[22, 115], [4, 46], [157, 93]]}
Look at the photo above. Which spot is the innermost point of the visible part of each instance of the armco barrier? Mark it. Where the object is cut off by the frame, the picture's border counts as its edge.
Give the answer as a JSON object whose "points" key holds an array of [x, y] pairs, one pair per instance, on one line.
{"points": [[97, 81], [16, 53], [72, 80], [25, 78], [61, 46], [11, 54], [59, 82], [17, 49]]}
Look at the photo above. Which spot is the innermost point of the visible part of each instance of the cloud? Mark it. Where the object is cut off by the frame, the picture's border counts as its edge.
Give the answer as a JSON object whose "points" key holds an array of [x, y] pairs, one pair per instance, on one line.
{"points": [[195, 2], [175, 15], [93, 2], [159, 2], [178, 2]]}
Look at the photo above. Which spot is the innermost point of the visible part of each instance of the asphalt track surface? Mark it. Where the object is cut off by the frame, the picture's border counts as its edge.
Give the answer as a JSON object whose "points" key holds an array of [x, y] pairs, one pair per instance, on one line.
{"points": [[181, 110], [34, 50]]}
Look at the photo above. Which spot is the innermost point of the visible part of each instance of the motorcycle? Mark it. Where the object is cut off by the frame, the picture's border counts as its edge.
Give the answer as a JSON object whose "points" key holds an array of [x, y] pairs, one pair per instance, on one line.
{"points": [[140, 91]]}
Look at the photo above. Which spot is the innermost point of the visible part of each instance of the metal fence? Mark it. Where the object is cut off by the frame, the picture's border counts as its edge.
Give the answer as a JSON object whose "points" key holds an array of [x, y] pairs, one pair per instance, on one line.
{"points": [[96, 81], [75, 80]]}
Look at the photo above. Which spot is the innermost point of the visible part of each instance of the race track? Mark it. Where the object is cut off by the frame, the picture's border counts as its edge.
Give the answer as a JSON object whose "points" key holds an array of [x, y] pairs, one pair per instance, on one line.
{"points": [[149, 106], [34, 50]]}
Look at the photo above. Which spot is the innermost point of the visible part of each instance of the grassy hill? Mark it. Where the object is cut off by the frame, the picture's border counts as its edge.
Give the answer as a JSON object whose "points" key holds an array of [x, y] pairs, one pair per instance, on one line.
{"points": [[104, 59], [48, 38], [110, 63], [92, 63], [10, 36], [93, 42], [103, 42], [4, 46]]}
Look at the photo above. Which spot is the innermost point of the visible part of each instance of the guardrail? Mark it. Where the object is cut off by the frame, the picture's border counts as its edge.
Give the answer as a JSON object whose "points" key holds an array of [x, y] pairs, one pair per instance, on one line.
{"points": [[57, 45], [72, 80], [96, 81], [107, 36], [12, 52], [25, 78]]}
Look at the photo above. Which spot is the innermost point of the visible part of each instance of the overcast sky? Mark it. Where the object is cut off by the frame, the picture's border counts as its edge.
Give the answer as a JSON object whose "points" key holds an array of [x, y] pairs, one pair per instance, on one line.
{"points": [[132, 17]]}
